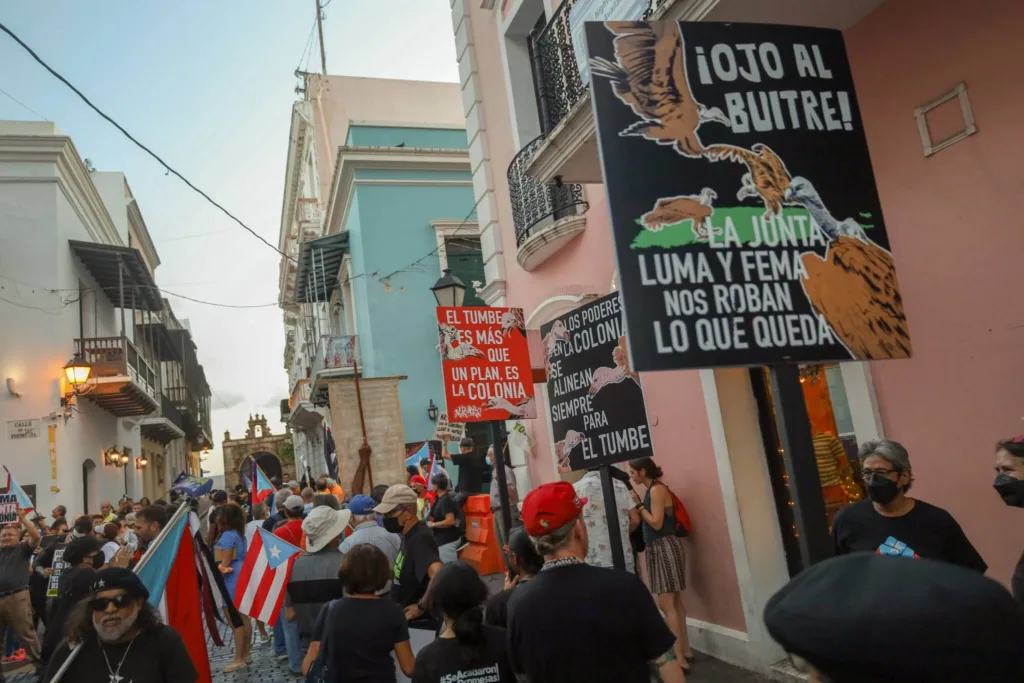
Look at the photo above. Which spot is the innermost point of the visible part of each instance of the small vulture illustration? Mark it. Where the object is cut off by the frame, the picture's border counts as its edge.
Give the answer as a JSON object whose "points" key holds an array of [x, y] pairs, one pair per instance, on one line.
{"points": [[649, 75], [767, 178], [564, 447], [450, 346], [672, 210]]}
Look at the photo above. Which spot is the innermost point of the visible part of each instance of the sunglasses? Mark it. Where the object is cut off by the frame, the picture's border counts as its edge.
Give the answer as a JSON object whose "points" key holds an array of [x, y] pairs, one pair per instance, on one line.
{"points": [[101, 604]]}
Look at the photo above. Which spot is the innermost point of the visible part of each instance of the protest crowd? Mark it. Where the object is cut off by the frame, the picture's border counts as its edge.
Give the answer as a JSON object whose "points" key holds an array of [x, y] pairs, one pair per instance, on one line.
{"points": [[362, 587]]}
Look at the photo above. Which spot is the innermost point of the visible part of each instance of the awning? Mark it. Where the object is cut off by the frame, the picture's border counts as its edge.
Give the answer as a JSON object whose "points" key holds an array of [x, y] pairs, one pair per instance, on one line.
{"points": [[319, 262], [113, 267]]}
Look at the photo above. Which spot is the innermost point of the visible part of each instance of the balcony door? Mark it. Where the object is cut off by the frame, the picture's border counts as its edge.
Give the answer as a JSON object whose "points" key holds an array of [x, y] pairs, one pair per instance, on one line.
{"points": [[466, 261]]}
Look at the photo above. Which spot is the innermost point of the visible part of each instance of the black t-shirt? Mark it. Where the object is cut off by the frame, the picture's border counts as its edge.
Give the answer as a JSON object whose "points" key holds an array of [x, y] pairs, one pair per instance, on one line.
{"points": [[418, 552], [585, 623], [157, 655], [1017, 582], [470, 470], [496, 612], [446, 659], [926, 531], [444, 506], [360, 635]]}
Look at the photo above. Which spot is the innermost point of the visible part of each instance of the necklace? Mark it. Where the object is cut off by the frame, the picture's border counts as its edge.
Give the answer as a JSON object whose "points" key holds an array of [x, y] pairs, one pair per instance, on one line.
{"points": [[115, 676], [561, 562]]}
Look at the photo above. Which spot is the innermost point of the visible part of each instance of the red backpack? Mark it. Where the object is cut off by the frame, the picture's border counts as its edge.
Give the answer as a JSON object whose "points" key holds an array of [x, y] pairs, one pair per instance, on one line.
{"points": [[684, 527]]}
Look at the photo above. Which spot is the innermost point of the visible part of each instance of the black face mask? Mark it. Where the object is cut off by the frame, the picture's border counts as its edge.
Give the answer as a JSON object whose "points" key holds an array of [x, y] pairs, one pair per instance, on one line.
{"points": [[1010, 489], [882, 490], [393, 525]]}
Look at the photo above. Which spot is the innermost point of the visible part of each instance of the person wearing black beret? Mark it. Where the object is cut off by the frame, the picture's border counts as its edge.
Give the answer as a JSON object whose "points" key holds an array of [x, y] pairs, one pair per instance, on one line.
{"points": [[121, 636], [866, 618]]}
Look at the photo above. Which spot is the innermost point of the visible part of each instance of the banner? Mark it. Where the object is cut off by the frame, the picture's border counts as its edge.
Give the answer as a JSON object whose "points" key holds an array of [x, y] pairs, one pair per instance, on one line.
{"points": [[192, 485], [485, 361], [596, 402], [58, 566], [746, 222], [8, 509], [51, 436]]}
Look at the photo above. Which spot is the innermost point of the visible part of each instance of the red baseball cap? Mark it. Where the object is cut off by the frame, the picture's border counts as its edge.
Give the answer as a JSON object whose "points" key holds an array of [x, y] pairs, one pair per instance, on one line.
{"points": [[551, 506]]}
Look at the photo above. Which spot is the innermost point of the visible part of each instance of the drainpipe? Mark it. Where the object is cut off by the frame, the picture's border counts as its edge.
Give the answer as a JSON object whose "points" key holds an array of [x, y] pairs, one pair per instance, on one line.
{"points": [[537, 62]]}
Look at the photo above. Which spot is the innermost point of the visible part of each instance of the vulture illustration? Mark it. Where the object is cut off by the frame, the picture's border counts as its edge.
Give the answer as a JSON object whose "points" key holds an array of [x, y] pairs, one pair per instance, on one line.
{"points": [[672, 210], [450, 347], [649, 75], [557, 334], [801, 191], [512, 319], [854, 285], [527, 408], [767, 177], [565, 446], [602, 377]]}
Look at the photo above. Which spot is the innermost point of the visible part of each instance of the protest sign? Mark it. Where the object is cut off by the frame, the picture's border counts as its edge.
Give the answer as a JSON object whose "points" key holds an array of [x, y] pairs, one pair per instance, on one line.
{"points": [[746, 221], [485, 361], [58, 566], [596, 402]]}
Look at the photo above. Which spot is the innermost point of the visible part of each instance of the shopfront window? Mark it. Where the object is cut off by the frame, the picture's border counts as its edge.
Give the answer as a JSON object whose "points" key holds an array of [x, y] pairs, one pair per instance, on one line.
{"points": [[829, 414]]}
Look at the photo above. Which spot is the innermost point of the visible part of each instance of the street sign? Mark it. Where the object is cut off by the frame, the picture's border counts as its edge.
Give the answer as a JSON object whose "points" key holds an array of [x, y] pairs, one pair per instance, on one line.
{"points": [[23, 429], [485, 361], [747, 226], [596, 401]]}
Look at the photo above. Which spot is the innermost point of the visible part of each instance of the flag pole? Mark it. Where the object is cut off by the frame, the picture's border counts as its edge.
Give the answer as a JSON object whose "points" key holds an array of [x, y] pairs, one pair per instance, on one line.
{"points": [[182, 510]]}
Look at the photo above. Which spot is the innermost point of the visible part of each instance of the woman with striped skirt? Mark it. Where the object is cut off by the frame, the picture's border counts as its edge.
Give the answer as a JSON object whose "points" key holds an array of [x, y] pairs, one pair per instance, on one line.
{"points": [[665, 556]]}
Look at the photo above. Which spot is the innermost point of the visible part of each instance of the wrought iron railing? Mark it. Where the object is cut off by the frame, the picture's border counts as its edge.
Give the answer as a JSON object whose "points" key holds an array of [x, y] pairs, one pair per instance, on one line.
{"points": [[532, 201], [556, 74], [334, 353], [117, 357]]}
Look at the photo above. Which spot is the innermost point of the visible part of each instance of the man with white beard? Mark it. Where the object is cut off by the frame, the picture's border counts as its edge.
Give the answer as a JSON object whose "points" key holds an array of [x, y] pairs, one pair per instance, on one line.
{"points": [[122, 638]]}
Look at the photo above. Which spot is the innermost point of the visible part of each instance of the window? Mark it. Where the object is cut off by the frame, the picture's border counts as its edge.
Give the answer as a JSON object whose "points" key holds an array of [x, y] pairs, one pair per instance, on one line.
{"points": [[465, 259]]}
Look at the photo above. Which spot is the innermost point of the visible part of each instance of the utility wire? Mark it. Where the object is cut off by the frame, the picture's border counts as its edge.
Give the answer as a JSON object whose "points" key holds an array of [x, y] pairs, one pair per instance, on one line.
{"points": [[17, 101], [141, 146]]}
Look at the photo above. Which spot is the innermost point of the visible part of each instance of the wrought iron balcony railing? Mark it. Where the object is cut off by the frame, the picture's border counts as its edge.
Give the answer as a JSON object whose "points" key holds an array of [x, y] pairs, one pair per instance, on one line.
{"points": [[556, 74], [533, 201]]}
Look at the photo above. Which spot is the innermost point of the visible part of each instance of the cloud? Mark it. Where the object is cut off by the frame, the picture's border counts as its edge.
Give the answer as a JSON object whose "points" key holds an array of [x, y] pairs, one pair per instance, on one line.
{"points": [[273, 402], [227, 399]]}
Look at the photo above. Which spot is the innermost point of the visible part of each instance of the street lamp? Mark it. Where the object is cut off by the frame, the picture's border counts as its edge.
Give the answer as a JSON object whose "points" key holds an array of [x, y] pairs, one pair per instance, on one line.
{"points": [[432, 411], [77, 371], [449, 290]]}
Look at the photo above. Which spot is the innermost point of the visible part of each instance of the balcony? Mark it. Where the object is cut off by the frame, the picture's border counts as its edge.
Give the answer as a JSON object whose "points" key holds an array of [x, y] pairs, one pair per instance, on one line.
{"points": [[165, 427], [124, 382], [335, 357], [545, 216], [195, 419], [568, 149]]}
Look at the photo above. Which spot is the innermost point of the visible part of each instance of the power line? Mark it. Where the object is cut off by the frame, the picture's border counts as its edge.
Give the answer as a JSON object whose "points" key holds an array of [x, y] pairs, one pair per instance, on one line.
{"points": [[141, 146], [17, 101]]}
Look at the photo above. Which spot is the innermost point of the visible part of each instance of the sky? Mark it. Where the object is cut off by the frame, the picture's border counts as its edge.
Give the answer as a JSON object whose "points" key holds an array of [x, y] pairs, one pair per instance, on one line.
{"points": [[208, 85]]}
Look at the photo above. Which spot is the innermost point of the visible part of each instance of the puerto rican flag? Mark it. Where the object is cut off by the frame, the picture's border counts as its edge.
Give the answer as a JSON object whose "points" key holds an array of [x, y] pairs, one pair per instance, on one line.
{"points": [[261, 486], [264, 577], [168, 570]]}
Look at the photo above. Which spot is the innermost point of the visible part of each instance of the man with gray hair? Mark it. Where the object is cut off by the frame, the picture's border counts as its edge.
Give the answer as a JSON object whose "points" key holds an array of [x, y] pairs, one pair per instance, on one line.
{"points": [[366, 530], [577, 622], [892, 523]]}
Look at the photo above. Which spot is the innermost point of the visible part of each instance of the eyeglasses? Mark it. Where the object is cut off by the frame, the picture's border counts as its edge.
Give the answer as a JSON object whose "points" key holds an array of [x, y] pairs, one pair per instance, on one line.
{"points": [[101, 604], [867, 474]]}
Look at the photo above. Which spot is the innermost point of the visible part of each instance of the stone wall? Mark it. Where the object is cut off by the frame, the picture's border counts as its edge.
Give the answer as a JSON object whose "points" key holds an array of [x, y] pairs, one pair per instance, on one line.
{"points": [[382, 410], [235, 451]]}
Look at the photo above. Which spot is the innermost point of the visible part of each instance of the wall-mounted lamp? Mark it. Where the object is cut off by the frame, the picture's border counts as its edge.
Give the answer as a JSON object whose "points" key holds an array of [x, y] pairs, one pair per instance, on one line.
{"points": [[113, 456], [77, 373], [432, 411], [141, 462]]}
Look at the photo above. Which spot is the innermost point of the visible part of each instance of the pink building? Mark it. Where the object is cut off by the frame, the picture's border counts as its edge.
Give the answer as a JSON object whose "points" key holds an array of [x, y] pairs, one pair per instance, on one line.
{"points": [[951, 213]]}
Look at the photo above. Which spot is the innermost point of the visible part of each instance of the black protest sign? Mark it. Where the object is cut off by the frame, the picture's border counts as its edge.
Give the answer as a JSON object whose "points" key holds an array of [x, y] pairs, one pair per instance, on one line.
{"points": [[746, 221], [58, 566], [596, 402]]}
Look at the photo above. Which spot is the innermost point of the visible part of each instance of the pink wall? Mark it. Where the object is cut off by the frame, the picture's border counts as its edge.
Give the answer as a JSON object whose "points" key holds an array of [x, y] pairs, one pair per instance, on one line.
{"points": [[675, 400], [954, 221]]}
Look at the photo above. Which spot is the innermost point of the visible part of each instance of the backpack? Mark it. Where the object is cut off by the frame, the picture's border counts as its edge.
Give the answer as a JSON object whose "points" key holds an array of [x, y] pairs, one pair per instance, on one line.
{"points": [[684, 527]]}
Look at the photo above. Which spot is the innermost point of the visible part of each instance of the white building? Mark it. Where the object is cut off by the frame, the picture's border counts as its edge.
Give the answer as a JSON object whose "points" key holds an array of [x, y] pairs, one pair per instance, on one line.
{"points": [[76, 283]]}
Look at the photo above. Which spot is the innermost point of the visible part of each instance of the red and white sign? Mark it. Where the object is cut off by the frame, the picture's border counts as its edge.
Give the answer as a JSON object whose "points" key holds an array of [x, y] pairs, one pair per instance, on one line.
{"points": [[486, 364]]}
